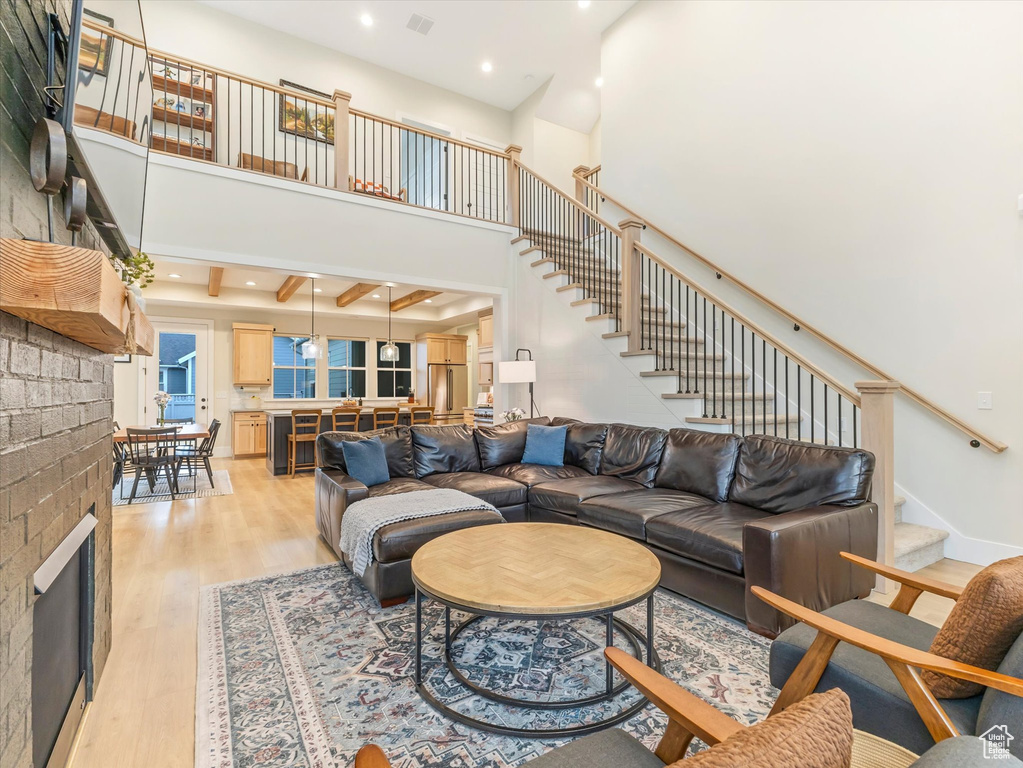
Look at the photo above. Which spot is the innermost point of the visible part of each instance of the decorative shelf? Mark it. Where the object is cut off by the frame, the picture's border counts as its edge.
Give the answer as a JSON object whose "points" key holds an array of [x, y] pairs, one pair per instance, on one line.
{"points": [[194, 92], [184, 119], [174, 147], [75, 292]]}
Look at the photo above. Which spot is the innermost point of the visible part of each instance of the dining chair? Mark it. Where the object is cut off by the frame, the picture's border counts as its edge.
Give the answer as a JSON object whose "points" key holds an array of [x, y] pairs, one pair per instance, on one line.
{"points": [[152, 451], [305, 427], [345, 419], [192, 456], [421, 414], [385, 417]]}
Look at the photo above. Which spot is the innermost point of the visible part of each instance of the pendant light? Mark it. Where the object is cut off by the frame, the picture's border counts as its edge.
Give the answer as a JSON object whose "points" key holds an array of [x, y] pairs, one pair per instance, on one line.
{"points": [[389, 352], [312, 349]]}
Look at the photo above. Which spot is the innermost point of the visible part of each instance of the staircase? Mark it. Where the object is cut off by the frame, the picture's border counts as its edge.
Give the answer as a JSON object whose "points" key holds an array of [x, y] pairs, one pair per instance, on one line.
{"points": [[715, 369]]}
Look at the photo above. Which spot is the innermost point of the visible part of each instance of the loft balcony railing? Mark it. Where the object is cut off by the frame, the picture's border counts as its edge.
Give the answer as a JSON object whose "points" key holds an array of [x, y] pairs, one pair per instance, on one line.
{"points": [[211, 115]]}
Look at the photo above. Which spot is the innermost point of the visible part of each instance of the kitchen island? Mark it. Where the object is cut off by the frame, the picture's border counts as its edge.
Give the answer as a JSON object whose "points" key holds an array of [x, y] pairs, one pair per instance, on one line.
{"points": [[278, 427]]}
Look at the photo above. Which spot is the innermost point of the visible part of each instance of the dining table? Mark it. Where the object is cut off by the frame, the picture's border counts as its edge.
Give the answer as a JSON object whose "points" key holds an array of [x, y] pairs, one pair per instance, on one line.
{"points": [[186, 433]]}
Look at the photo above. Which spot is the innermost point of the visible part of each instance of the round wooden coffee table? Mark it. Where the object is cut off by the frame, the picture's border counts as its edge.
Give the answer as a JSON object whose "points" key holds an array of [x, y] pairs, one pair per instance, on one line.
{"points": [[536, 571]]}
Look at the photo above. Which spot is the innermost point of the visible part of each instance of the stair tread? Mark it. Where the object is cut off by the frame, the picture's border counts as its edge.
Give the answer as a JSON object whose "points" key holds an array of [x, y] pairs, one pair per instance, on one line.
{"points": [[909, 537], [739, 397], [694, 374]]}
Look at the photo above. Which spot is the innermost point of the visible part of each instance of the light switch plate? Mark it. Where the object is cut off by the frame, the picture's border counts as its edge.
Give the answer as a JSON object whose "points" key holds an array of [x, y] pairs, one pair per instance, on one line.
{"points": [[984, 401]]}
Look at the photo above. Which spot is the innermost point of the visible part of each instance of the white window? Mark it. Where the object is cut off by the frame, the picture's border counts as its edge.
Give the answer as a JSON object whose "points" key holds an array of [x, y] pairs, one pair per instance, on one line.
{"points": [[346, 368], [294, 376]]}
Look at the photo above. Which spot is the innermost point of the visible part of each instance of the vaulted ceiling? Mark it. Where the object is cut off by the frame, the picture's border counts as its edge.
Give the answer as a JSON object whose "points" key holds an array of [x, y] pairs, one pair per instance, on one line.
{"points": [[527, 42]]}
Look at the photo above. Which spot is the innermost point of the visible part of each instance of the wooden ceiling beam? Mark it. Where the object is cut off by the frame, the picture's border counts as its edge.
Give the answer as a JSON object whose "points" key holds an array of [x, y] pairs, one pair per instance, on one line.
{"points": [[413, 298], [355, 293], [216, 275], [289, 286]]}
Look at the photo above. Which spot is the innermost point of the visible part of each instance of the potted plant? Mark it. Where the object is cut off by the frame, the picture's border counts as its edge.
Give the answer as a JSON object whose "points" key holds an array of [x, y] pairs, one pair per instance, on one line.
{"points": [[137, 271], [513, 414], [411, 396]]}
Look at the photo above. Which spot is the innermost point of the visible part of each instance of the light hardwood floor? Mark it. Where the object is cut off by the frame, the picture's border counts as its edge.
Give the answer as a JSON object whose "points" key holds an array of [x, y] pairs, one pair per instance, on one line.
{"points": [[144, 710]]}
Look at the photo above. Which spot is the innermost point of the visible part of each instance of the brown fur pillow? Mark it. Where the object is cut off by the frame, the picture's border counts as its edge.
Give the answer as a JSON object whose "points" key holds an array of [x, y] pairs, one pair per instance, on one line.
{"points": [[984, 623], [816, 732]]}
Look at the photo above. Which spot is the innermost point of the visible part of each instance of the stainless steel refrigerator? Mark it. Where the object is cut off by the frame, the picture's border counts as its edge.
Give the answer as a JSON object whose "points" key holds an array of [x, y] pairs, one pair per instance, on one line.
{"points": [[449, 391]]}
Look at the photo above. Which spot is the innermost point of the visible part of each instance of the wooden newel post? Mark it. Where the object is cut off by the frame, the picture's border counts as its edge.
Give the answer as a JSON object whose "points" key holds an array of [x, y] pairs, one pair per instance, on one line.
{"points": [[513, 151], [341, 142], [877, 426], [580, 188], [631, 281]]}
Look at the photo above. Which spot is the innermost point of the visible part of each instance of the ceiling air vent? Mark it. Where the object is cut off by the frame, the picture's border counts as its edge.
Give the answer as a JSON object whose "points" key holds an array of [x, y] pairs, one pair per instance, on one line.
{"points": [[420, 24]]}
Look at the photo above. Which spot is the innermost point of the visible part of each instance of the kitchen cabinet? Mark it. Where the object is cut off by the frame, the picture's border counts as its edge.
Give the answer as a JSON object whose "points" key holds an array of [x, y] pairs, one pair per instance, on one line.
{"points": [[486, 375], [486, 331], [444, 349], [248, 433], [253, 354]]}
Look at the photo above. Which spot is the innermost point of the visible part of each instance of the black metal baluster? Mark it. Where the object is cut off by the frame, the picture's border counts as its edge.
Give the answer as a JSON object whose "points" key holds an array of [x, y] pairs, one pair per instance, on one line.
{"points": [[825, 413], [731, 344], [799, 401], [763, 380], [813, 424], [742, 372], [713, 354], [753, 380], [839, 398], [787, 421], [774, 393]]}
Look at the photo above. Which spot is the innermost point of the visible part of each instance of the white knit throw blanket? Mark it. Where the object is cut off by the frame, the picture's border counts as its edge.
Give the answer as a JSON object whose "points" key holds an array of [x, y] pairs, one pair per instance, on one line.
{"points": [[364, 518]]}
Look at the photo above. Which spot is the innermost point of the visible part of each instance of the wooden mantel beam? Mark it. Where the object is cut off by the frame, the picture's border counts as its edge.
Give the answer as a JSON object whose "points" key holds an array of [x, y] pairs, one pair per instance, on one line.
{"points": [[216, 275], [289, 286], [355, 293], [413, 298]]}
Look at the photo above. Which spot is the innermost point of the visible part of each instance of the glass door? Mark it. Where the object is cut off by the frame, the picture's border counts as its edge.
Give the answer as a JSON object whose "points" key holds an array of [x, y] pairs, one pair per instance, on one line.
{"points": [[179, 367]]}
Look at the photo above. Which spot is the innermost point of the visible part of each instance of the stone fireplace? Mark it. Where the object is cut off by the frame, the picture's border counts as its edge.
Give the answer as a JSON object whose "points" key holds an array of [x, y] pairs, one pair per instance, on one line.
{"points": [[56, 401]]}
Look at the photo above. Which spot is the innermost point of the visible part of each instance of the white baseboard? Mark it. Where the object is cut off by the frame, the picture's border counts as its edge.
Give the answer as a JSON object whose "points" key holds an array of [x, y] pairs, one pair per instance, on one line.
{"points": [[957, 546]]}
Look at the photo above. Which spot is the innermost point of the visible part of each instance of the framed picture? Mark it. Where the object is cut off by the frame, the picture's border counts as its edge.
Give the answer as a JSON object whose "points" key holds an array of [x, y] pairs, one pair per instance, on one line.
{"points": [[122, 358], [303, 118], [94, 54]]}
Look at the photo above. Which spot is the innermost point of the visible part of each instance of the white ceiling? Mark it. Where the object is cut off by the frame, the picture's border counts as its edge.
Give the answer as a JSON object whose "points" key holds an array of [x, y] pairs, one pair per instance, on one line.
{"points": [[527, 41], [268, 281]]}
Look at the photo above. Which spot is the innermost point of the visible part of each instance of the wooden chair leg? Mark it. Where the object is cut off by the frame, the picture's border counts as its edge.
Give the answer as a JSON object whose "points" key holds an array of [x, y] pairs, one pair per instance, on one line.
{"points": [[209, 470], [808, 672]]}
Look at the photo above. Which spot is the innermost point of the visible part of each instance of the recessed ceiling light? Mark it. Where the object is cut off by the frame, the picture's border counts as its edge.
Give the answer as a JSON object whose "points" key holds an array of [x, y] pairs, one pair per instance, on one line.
{"points": [[366, 19], [317, 290], [249, 282], [584, 4], [173, 274], [428, 301], [376, 295], [599, 82], [487, 67]]}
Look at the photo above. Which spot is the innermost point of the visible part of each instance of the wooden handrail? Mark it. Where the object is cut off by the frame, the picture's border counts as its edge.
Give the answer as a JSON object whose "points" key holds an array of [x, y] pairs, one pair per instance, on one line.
{"points": [[431, 134], [781, 346], [988, 442], [608, 225]]}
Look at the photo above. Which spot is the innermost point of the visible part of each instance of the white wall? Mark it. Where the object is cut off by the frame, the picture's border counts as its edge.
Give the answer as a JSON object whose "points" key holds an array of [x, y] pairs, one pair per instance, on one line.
{"points": [[549, 149], [207, 212], [860, 163]]}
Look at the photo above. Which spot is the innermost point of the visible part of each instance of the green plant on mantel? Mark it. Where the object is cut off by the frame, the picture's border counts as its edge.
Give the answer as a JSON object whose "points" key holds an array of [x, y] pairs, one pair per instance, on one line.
{"points": [[137, 269]]}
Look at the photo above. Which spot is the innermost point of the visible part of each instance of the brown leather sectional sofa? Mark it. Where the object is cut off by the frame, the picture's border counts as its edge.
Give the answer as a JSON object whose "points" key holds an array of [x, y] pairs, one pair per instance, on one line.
{"points": [[721, 512]]}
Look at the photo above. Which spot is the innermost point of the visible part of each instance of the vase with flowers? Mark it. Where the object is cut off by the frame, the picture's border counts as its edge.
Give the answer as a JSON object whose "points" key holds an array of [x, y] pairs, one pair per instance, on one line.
{"points": [[513, 414], [161, 399]]}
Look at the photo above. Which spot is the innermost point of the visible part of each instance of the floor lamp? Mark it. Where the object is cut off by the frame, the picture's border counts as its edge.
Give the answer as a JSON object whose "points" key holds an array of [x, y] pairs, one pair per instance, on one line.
{"points": [[519, 372]]}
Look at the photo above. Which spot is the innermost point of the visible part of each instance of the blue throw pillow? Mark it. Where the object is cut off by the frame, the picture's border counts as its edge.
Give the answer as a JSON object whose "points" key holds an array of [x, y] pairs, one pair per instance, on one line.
{"points": [[366, 461], [545, 445]]}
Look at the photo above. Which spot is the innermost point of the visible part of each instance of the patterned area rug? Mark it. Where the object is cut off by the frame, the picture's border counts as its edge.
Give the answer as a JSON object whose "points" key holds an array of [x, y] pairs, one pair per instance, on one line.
{"points": [[161, 491], [304, 668]]}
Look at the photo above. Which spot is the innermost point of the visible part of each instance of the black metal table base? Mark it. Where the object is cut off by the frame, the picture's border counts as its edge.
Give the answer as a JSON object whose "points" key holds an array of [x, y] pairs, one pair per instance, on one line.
{"points": [[637, 641]]}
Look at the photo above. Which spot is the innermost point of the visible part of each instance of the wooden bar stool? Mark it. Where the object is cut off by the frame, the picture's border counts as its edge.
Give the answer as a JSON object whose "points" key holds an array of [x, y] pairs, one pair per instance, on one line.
{"points": [[305, 426], [345, 419], [421, 414], [385, 417]]}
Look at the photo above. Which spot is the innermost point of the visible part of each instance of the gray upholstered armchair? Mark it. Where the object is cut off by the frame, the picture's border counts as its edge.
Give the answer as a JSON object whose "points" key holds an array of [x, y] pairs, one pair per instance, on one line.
{"points": [[874, 652]]}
